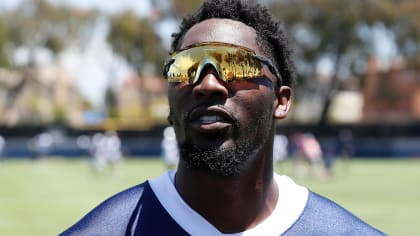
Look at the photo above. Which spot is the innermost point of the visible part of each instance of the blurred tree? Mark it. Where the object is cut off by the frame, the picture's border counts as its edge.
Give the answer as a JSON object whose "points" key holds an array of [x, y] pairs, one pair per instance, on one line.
{"points": [[405, 24], [111, 103], [183, 7], [136, 40], [333, 30], [34, 25], [37, 23], [4, 61]]}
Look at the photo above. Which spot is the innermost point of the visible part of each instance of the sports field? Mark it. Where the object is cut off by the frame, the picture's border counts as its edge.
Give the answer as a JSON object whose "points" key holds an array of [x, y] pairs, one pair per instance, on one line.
{"points": [[47, 196]]}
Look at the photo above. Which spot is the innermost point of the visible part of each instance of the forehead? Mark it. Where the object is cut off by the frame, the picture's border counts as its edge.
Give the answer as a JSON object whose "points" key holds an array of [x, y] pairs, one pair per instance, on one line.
{"points": [[222, 30]]}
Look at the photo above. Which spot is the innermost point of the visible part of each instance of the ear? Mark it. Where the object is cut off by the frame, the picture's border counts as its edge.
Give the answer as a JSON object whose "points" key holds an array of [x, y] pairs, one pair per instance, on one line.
{"points": [[282, 102]]}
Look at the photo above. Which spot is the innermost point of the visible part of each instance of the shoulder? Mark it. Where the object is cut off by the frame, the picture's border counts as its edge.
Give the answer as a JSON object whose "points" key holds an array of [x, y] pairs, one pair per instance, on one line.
{"points": [[112, 215], [322, 216]]}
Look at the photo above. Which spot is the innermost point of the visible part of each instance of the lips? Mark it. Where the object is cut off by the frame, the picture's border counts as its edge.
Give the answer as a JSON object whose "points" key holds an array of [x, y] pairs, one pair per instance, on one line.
{"points": [[210, 119]]}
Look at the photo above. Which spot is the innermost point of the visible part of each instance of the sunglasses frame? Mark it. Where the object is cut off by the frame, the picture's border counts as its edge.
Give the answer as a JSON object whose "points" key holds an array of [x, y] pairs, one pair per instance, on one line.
{"points": [[215, 64]]}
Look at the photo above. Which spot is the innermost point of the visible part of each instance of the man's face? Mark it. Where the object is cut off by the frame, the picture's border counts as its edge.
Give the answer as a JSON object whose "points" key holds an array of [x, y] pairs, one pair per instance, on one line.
{"points": [[220, 125]]}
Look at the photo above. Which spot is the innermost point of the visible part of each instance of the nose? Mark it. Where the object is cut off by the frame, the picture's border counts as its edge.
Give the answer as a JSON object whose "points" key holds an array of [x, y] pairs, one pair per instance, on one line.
{"points": [[210, 84]]}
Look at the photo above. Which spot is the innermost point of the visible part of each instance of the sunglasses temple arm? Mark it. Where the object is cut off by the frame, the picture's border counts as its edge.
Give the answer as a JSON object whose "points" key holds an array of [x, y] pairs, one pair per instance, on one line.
{"points": [[166, 67], [271, 67]]}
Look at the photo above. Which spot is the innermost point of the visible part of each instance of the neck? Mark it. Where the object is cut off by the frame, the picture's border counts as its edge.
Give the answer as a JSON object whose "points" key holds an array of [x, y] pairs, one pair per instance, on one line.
{"points": [[232, 204]]}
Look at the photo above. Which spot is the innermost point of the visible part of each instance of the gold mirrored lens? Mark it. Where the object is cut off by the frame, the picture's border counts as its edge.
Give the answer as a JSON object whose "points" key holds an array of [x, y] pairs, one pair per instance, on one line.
{"points": [[231, 62]]}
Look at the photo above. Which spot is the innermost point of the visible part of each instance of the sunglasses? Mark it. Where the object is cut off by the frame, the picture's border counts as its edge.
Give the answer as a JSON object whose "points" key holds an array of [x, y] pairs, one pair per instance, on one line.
{"points": [[232, 62]]}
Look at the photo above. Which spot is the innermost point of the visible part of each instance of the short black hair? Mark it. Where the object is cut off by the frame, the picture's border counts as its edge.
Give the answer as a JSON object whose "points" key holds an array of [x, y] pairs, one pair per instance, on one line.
{"points": [[271, 36]]}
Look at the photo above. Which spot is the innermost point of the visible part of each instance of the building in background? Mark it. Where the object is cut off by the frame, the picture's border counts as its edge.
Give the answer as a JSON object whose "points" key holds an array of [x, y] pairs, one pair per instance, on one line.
{"points": [[392, 95]]}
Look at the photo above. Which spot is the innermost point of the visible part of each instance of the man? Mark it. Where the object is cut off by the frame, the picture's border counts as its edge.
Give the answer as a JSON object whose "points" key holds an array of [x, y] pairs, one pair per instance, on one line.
{"points": [[229, 80]]}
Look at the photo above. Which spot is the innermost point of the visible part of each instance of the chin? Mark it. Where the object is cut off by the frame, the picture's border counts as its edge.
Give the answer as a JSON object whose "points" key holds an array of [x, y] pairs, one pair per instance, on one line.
{"points": [[225, 160]]}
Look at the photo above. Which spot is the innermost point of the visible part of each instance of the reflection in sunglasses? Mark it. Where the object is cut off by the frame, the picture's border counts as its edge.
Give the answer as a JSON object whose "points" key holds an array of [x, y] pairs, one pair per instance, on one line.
{"points": [[231, 62]]}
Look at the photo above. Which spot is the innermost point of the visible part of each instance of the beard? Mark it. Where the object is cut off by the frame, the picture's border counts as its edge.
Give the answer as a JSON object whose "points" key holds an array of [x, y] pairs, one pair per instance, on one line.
{"points": [[219, 161], [228, 159]]}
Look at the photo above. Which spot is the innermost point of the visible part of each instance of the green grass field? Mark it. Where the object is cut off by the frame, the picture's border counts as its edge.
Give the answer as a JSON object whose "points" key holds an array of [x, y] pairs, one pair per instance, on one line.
{"points": [[47, 196]]}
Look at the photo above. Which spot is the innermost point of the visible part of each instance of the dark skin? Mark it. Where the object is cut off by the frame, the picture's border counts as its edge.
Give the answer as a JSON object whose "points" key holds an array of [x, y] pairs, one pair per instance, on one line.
{"points": [[241, 201]]}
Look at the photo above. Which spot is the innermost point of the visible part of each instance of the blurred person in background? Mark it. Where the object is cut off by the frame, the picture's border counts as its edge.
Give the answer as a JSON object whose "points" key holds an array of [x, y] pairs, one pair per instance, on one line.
{"points": [[329, 150], [107, 152], [41, 145], [2, 145], [84, 143], [230, 77], [280, 152], [169, 147], [97, 161], [346, 147], [308, 156]]}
